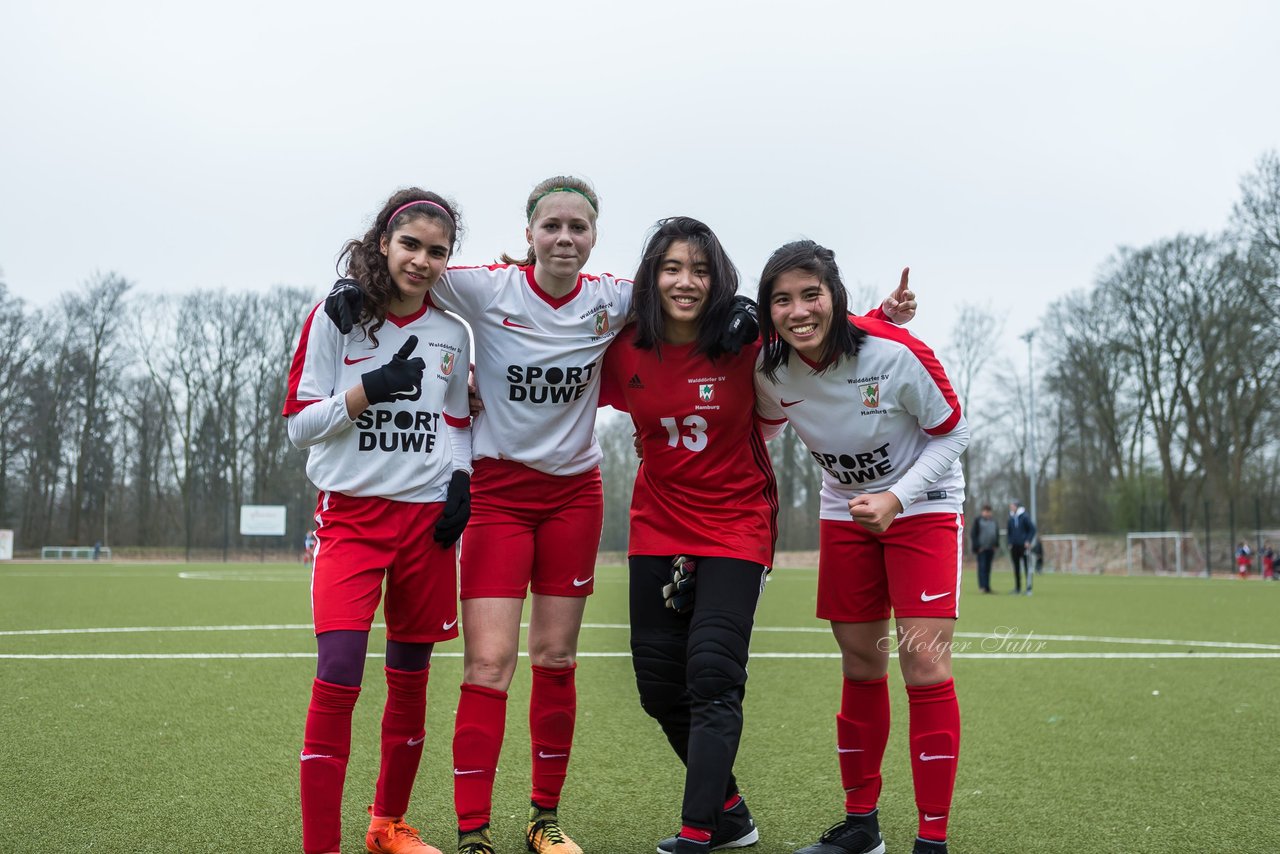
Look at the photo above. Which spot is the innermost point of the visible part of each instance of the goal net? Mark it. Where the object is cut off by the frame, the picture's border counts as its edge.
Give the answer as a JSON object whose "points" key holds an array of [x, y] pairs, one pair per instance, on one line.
{"points": [[1162, 553], [1072, 553]]}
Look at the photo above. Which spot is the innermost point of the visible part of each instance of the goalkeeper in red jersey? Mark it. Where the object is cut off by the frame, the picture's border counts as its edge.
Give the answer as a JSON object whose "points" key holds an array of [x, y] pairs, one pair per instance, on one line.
{"points": [[703, 514]]}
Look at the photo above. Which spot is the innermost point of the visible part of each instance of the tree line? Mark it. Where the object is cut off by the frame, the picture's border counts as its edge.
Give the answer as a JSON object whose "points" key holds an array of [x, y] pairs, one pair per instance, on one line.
{"points": [[1157, 388], [145, 421]]}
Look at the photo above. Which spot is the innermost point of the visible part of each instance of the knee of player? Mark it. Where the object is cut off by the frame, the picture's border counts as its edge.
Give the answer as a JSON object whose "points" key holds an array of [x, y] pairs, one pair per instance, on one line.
{"points": [[713, 672], [660, 678], [490, 672], [659, 697], [921, 669]]}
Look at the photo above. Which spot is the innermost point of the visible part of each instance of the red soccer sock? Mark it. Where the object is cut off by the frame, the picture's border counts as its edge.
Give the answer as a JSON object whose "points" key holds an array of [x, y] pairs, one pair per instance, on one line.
{"points": [[553, 708], [326, 745], [477, 742], [935, 750], [403, 732], [862, 731], [695, 834]]}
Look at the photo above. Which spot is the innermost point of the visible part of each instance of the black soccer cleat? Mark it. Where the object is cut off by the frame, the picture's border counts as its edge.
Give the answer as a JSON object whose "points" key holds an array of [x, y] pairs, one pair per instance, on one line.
{"points": [[929, 846], [737, 829], [855, 835], [478, 841]]}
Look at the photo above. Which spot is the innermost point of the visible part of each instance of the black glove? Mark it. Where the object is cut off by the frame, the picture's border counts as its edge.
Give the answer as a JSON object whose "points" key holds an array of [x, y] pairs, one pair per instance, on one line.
{"points": [[344, 304], [399, 379], [743, 327], [679, 593], [457, 509]]}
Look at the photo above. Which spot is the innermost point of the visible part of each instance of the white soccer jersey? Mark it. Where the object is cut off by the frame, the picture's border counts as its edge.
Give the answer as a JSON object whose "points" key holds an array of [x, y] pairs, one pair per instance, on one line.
{"points": [[867, 420], [398, 450], [538, 361]]}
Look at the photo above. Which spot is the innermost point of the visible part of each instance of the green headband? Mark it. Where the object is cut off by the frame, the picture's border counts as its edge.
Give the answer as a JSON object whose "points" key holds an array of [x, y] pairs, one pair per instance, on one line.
{"points": [[533, 203]]}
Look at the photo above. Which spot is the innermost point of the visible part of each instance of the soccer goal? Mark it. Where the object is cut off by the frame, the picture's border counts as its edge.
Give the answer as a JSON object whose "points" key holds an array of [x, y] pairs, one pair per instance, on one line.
{"points": [[1068, 553], [1162, 553]]}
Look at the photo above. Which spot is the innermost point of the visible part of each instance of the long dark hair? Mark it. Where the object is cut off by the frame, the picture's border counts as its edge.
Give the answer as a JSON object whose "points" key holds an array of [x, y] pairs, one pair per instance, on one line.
{"points": [[363, 260], [723, 277], [843, 338], [554, 184]]}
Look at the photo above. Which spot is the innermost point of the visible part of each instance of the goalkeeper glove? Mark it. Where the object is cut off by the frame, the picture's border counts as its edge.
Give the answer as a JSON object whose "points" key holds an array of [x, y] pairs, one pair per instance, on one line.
{"points": [[344, 304], [679, 593], [743, 327]]}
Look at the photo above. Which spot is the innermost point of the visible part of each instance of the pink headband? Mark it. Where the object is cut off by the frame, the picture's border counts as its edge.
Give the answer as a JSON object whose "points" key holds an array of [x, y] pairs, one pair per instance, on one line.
{"points": [[401, 209]]}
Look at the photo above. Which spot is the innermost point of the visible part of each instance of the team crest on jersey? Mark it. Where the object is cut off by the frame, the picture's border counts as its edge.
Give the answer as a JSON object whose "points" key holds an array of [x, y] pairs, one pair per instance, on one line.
{"points": [[446, 362], [871, 395], [706, 391], [602, 322]]}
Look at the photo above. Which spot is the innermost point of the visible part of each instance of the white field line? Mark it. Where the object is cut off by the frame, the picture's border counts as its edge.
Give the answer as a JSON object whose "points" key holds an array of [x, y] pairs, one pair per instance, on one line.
{"points": [[1004, 656], [1001, 635]]}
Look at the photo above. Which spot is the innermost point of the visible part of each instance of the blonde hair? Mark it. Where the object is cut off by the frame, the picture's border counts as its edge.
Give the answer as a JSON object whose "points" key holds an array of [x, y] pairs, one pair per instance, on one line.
{"points": [[555, 184]]}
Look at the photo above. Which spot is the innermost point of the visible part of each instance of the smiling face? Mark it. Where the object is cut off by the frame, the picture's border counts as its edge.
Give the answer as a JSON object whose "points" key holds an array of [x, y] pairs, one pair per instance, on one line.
{"points": [[684, 281], [800, 308], [417, 253], [562, 232]]}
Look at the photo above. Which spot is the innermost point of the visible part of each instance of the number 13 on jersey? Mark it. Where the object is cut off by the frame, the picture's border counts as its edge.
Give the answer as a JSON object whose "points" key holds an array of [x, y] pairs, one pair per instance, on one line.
{"points": [[696, 437]]}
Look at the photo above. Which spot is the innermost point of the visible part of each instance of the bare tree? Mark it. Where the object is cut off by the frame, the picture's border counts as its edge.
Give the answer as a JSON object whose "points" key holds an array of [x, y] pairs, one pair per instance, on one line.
{"points": [[973, 339], [1257, 213], [17, 348], [95, 317]]}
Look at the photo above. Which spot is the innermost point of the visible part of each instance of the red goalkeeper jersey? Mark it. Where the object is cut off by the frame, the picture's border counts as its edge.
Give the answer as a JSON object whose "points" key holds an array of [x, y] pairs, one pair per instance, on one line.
{"points": [[705, 485]]}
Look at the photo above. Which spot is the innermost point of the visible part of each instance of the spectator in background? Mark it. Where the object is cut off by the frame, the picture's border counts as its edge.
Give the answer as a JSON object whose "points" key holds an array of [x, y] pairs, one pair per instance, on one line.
{"points": [[1268, 562], [1022, 534], [986, 540], [308, 547], [1244, 559]]}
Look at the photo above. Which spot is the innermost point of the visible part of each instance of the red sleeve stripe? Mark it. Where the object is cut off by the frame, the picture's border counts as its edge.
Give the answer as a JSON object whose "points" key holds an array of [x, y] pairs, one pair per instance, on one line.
{"points": [[946, 426], [295, 369], [770, 420], [293, 407], [457, 422]]}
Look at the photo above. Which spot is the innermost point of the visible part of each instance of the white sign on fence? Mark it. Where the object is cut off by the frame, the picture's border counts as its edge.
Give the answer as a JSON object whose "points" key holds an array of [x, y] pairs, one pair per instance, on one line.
{"points": [[6, 545], [262, 520]]}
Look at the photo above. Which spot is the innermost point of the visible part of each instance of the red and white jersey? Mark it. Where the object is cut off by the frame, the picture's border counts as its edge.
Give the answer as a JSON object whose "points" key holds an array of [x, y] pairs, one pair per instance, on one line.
{"points": [[398, 450], [538, 361], [705, 486], [866, 421]]}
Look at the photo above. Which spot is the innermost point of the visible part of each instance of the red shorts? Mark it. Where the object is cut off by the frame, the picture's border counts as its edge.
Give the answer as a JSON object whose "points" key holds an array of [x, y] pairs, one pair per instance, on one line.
{"points": [[531, 531], [913, 568], [361, 540]]}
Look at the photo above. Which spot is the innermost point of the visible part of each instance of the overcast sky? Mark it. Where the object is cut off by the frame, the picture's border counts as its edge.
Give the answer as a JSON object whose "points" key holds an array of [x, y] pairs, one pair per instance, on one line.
{"points": [[1002, 150]]}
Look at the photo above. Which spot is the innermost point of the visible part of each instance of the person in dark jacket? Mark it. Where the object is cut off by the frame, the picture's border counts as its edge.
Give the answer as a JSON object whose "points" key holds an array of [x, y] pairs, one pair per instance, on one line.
{"points": [[1022, 534], [985, 539]]}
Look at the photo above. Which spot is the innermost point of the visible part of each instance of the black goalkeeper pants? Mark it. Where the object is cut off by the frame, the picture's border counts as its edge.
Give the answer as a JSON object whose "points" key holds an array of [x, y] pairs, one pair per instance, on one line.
{"points": [[691, 670]]}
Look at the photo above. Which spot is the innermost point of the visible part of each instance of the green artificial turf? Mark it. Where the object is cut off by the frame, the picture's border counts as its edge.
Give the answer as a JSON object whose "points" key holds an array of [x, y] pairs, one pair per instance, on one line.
{"points": [[1070, 754]]}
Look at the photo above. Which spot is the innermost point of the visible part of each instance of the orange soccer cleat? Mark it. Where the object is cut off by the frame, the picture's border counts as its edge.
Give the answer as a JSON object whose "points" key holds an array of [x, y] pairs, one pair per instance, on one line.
{"points": [[392, 836]]}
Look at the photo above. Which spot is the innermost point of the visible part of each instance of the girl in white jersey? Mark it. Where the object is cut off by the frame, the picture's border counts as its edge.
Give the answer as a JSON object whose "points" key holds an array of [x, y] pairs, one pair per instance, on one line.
{"points": [[878, 414], [704, 497], [541, 327], [382, 409]]}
